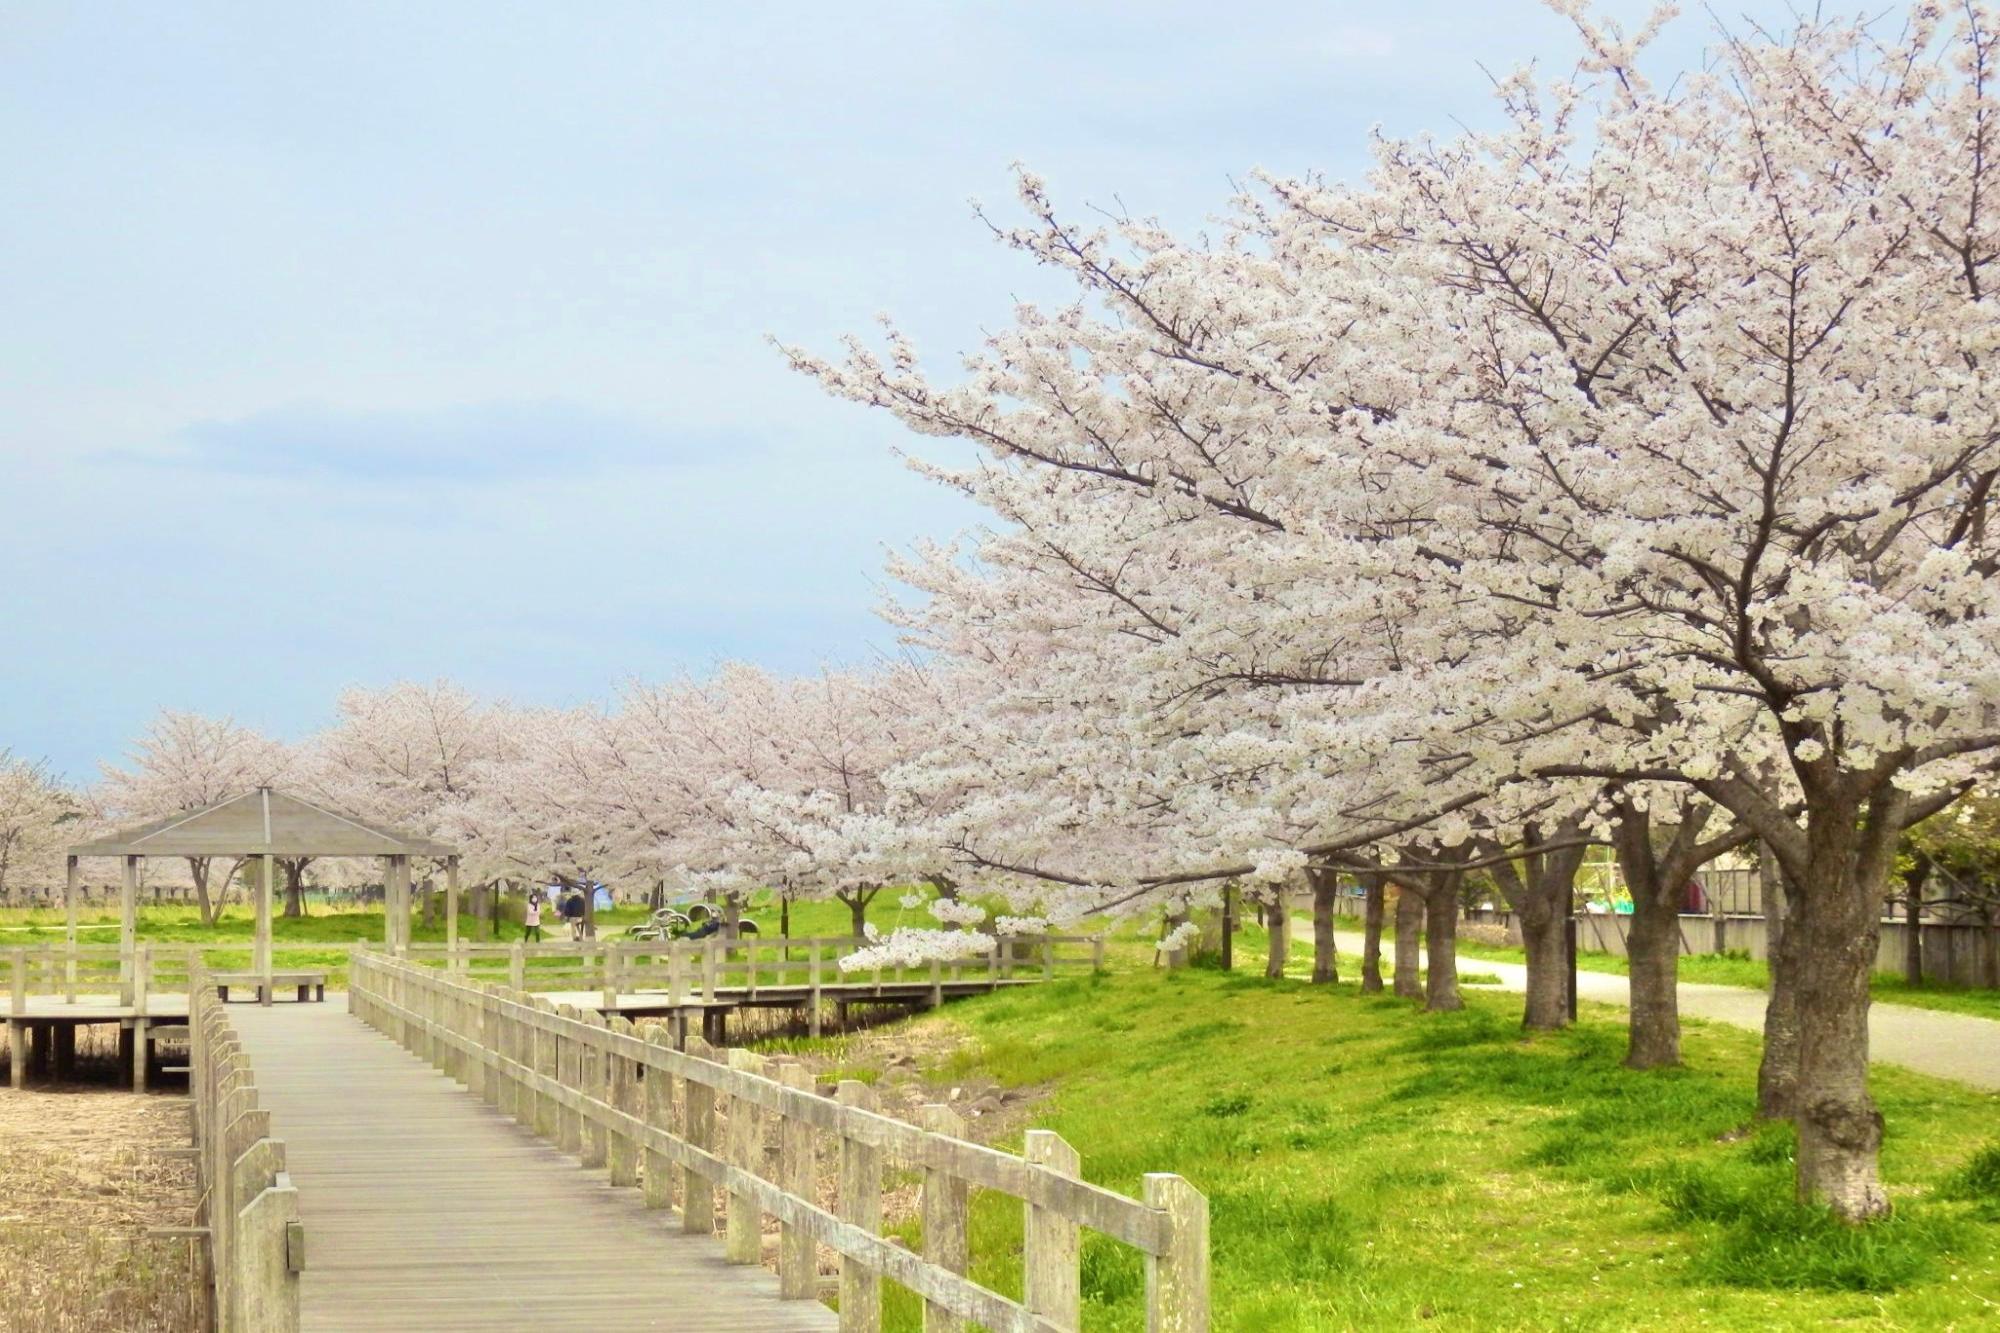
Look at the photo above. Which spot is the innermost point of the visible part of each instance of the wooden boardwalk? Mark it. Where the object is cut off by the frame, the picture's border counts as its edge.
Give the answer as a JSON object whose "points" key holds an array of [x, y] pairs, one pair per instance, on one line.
{"points": [[425, 1209]]}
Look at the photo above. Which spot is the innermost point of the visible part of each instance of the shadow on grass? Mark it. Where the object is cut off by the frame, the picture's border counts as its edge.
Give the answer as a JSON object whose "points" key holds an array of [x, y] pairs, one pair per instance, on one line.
{"points": [[1605, 1125]]}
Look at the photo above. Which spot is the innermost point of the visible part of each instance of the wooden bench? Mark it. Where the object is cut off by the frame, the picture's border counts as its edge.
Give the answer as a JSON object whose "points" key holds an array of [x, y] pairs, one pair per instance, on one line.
{"points": [[314, 982]]}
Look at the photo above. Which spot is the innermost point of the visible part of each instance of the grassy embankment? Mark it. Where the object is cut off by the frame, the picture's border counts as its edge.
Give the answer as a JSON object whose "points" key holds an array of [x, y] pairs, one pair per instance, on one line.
{"points": [[1371, 1166]]}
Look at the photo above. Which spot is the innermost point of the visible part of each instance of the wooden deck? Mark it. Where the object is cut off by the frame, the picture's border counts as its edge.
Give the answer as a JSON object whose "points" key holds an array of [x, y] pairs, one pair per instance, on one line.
{"points": [[99, 1009], [425, 1209]]}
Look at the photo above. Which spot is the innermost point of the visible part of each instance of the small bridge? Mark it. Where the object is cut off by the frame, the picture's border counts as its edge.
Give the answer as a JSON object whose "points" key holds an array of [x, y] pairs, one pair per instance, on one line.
{"points": [[689, 983], [53, 991], [434, 1163]]}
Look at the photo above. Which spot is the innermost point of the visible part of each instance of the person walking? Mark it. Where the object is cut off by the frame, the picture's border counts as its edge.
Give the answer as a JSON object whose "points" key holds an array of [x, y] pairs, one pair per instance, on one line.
{"points": [[572, 910], [531, 920]]}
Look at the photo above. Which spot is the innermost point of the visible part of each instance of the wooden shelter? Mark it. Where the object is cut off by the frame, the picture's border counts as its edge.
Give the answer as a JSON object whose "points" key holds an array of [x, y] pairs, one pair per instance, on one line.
{"points": [[264, 825]]}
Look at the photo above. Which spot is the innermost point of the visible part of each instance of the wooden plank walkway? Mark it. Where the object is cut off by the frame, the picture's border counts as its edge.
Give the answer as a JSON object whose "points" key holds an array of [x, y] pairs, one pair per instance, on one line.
{"points": [[427, 1210]]}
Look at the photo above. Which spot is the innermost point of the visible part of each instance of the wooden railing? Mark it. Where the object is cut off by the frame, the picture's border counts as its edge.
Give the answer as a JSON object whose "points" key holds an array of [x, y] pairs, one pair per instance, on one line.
{"points": [[685, 1126], [64, 972], [689, 969], [245, 1197]]}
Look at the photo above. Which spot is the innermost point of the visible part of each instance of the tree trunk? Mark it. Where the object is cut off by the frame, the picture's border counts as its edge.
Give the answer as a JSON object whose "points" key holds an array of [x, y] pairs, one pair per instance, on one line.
{"points": [[1541, 887], [857, 909], [198, 870], [1545, 938], [1834, 928], [1371, 936], [589, 908], [1409, 930], [1778, 1070], [1653, 944], [1441, 944], [1653, 953], [1275, 918], [1326, 887], [1229, 927], [732, 916], [1913, 908], [785, 916], [295, 887]]}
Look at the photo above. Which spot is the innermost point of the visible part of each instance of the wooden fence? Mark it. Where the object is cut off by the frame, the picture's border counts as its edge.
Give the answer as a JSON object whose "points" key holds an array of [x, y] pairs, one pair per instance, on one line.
{"points": [[246, 1198], [685, 1127], [778, 969], [61, 971]]}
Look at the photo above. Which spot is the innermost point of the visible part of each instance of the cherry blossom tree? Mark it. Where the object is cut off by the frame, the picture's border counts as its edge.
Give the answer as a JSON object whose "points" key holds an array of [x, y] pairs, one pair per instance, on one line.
{"points": [[407, 756], [34, 810], [185, 761], [1646, 441]]}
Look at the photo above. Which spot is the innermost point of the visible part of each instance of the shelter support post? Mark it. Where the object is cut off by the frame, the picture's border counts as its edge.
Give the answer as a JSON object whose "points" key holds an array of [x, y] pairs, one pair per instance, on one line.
{"points": [[69, 930], [128, 926], [262, 963], [451, 913]]}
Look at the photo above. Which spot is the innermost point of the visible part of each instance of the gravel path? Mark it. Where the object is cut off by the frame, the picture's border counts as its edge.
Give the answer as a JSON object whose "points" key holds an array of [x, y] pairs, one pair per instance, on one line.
{"points": [[1930, 1041]]}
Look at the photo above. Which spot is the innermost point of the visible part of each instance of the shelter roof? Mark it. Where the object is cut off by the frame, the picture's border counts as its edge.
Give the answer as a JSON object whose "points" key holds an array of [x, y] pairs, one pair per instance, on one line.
{"points": [[259, 822]]}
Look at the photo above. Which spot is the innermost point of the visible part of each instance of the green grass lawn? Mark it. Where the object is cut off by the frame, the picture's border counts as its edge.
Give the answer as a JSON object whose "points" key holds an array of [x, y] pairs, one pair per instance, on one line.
{"points": [[320, 939], [1370, 1166]]}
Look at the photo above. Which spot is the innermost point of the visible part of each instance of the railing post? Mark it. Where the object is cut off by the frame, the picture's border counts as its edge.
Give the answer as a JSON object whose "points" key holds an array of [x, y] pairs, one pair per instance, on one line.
{"points": [[517, 967], [743, 1237], [697, 1195], [547, 1118], [594, 1082], [611, 971], [142, 962], [1177, 1281], [1048, 959], [18, 983], [1097, 953], [861, 1205], [708, 966], [623, 1152], [521, 1044], [659, 1088], [677, 982], [798, 1265], [480, 1078], [1051, 1243], [569, 1073], [813, 1019], [944, 1215], [269, 1244], [937, 987]]}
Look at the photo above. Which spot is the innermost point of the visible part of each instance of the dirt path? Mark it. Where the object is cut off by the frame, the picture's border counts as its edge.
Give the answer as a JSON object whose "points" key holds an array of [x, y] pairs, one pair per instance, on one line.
{"points": [[1930, 1041]]}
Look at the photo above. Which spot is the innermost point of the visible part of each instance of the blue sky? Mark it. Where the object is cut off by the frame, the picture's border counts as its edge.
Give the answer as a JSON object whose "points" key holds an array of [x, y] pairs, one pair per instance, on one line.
{"points": [[345, 343]]}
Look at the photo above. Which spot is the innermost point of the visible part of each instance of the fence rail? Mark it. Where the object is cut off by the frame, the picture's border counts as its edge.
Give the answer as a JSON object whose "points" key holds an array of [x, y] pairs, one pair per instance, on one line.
{"points": [[687, 1126], [63, 971], [780, 971], [246, 1196]]}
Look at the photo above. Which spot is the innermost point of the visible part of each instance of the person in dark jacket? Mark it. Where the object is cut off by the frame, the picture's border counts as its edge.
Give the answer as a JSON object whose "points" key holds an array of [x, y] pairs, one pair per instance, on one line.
{"points": [[572, 910]]}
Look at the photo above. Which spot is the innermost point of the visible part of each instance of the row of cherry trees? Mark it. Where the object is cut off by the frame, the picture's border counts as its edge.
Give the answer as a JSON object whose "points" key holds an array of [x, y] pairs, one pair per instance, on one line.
{"points": [[723, 785], [1618, 476], [1621, 474]]}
